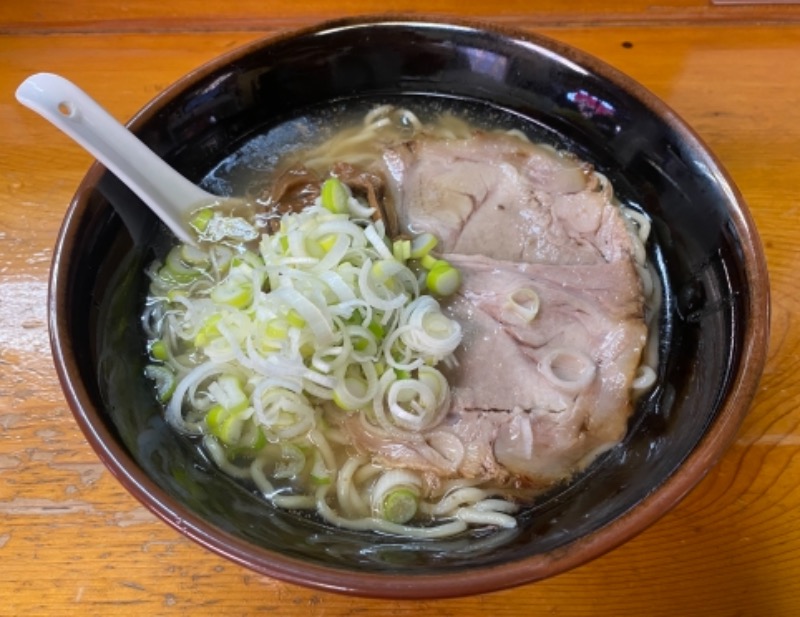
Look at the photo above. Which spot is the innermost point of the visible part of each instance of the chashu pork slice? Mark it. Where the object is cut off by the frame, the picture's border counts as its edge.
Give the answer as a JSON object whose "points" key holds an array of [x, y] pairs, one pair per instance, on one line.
{"points": [[551, 307], [561, 382], [532, 398], [494, 194]]}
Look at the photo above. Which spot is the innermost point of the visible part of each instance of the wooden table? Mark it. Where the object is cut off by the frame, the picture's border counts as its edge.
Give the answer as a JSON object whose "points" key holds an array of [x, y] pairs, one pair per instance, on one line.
{"points": [[72, 541]]}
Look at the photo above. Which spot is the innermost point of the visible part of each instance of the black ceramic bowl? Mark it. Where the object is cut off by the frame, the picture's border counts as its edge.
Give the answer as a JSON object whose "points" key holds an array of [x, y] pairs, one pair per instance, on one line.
{"points": [[713, 324]]}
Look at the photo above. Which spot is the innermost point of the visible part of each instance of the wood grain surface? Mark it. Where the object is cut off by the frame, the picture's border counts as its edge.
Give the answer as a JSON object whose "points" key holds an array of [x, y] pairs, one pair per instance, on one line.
{"points": [[73, 542]]}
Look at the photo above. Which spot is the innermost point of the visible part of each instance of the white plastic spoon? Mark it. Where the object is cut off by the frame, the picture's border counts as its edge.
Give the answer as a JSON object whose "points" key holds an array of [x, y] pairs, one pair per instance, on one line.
{"points": [[171, 196]]}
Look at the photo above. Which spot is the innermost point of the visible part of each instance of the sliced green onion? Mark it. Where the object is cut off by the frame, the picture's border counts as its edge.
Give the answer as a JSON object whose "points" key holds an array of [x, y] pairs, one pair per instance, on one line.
{"points": [[314, 248], [428, 261], [395, 496], [327, 312], [230, 419], [200, 220], [430, 332], [164, 379], [159, 350], [400, 505], [374, 233], [385, 269], [335, 196], [174, 295], [360, 344], [413, 404], [194, 256], [318, 318], [207, 331], [251, 259], [328, 241], [292, 462], [294, 319], [251, 440], [236, 293], [401, 249], [320, 474], [525, 303], [377, 329], [215, 418], [277, 328], [176, 269], [234, 428], [228, 392], [443, 279], [221, 257], [349, 393], [422, 244]]}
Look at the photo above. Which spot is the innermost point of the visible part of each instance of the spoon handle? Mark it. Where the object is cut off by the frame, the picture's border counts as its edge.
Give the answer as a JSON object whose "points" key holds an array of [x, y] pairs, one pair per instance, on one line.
{"points": [[171, 196]]}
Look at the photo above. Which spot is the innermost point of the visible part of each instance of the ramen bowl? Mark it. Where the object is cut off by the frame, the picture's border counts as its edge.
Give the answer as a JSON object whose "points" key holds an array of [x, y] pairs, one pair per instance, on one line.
{"points": [[251, 103]]}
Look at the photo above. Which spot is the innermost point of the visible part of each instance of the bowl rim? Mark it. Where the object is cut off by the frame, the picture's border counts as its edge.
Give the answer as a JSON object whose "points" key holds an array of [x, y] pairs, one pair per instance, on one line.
{"points": [[698, 463]]}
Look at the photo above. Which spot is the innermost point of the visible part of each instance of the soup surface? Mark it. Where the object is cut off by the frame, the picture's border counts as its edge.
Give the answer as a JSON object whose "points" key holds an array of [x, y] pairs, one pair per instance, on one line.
{"points": [[415, 327]]}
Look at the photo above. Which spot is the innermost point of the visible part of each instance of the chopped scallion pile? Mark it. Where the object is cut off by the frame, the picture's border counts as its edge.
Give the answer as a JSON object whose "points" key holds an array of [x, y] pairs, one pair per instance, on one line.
{"points": [[248, 345]]}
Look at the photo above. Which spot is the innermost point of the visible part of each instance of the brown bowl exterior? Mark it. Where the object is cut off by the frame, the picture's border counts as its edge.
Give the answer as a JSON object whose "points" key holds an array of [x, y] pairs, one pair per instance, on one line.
{"points": [[714, 322]]}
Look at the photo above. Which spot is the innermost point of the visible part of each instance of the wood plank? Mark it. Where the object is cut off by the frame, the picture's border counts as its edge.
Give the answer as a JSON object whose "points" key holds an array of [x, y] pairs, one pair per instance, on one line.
{"points": [[181, 16]]}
